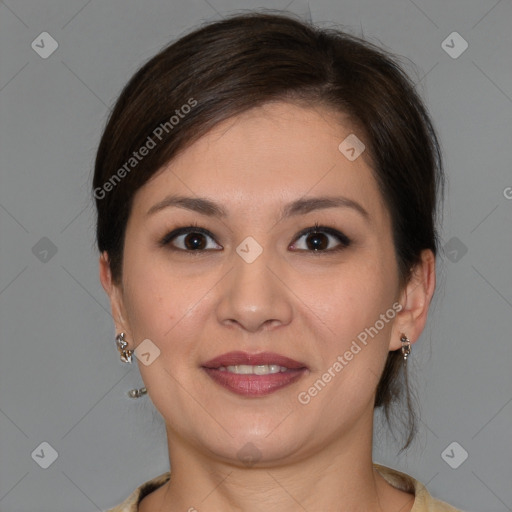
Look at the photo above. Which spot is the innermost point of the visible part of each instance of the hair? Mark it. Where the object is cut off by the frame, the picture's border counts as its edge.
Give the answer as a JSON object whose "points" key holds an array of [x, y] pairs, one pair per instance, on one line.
{"points": [[226, 67]]}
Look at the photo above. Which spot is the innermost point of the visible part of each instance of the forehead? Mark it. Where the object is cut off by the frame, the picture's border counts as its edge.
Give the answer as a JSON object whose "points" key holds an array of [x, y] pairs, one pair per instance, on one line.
{"points": [[271, 154]]}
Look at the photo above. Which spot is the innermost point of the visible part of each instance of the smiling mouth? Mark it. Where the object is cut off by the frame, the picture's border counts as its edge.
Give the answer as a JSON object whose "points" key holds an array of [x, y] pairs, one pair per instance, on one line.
{"points": [[253, 384], [254, 375], [247, 369]]}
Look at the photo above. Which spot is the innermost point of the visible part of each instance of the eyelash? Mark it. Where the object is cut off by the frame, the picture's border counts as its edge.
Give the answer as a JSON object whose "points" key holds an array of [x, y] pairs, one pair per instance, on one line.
{"points": [[342, 238]]}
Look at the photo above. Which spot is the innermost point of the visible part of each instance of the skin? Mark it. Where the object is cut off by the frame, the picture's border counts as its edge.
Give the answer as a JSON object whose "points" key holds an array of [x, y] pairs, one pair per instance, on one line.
{"points": [[303, 304]]}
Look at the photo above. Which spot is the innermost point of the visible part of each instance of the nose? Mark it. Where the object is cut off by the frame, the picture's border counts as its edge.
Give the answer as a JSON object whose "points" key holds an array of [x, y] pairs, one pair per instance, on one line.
{"points": [[254, 296]]}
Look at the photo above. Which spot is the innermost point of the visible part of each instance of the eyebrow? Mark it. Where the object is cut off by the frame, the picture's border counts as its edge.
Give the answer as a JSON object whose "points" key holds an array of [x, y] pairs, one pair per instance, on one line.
{"points": [[299, 207]]}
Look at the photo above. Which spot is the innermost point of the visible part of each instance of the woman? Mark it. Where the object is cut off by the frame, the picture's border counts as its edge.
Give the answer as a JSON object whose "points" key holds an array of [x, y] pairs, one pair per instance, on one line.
{"points": [[266, 196]]}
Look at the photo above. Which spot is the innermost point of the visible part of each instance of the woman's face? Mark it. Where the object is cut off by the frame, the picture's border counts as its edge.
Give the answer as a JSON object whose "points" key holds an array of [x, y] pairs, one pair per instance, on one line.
{"points": [[242, 278]]}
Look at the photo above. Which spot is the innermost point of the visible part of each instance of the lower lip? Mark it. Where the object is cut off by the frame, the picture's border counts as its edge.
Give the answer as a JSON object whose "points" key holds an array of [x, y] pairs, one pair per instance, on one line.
{"points": [[254, 385]]}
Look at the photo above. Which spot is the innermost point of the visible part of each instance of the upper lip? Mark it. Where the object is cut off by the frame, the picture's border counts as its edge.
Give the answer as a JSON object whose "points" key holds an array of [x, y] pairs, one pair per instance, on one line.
{"points": [[238, 358]]}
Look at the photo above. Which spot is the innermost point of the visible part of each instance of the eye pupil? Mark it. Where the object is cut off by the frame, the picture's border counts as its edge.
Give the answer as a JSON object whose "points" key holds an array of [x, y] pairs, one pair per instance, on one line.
{"points": [[195, 241], [316, 241]]}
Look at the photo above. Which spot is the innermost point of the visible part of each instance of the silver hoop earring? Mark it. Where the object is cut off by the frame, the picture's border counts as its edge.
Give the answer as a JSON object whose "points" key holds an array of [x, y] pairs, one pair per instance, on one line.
{"points": [[406, 346], [126, 355]]}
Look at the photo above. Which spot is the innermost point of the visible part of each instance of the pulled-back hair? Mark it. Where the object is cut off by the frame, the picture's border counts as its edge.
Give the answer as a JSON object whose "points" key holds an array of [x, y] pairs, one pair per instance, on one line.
{"points": [[230, 66]]}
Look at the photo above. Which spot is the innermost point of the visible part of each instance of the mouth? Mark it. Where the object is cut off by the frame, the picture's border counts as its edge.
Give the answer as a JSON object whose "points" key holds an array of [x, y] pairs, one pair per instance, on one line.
{"points": [[254, 375]]}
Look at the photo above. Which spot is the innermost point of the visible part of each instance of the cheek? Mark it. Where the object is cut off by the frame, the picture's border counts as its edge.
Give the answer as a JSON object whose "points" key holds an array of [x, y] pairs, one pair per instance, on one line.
{"points": [[351, 298], [353, 319], [353, 328], [154, 297], [149, 301], [163, 305]]}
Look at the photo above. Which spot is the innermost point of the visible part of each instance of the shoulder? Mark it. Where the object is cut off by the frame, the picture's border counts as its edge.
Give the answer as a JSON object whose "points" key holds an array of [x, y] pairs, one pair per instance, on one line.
{"points": [[423, 501], [131, 504]]}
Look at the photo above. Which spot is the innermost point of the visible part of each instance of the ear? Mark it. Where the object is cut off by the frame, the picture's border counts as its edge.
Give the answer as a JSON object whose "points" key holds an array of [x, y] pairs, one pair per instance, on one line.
{"points": [[415, 301], [115, 294]]}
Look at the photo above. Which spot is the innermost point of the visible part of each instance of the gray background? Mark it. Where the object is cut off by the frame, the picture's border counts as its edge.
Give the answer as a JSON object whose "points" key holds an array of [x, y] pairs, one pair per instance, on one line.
{"points": [[60, 376]]}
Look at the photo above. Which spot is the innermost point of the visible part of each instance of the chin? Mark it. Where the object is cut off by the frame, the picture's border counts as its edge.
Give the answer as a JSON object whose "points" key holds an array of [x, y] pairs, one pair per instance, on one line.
{"points": [[255, 446]]}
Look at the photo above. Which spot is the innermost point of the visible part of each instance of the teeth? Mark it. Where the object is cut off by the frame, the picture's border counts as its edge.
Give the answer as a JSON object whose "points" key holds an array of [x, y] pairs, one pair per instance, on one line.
{"points": [[247, 369]]}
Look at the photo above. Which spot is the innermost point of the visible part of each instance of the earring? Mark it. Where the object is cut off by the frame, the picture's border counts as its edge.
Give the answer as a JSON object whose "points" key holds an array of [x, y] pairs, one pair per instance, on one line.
{"points": [[136, 393], [406, 346], [126, 355]]}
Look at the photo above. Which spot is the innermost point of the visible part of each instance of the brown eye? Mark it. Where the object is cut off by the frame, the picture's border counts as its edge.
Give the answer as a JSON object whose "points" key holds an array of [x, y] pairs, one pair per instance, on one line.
{"points": [[190, 239], [317, 241], [194, 241], [321, 239]]}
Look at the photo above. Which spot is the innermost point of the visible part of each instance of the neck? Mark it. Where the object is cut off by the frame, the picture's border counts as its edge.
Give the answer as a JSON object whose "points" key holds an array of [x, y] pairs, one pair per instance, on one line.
{"points": [[340, 478]]}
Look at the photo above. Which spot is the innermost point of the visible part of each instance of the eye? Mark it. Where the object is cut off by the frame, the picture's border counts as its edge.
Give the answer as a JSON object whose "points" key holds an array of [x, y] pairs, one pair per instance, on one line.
{"points": [[320, 239], [190, 239], [315, 239]]}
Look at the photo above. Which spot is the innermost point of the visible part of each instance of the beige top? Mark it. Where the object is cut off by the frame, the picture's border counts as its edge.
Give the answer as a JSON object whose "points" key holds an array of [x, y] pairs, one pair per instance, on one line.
{"points": [[423, 501]]}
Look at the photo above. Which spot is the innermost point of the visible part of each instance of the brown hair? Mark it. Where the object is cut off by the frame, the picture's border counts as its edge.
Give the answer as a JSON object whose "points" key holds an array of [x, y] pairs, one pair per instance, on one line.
{"points": [[229, 66]]}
